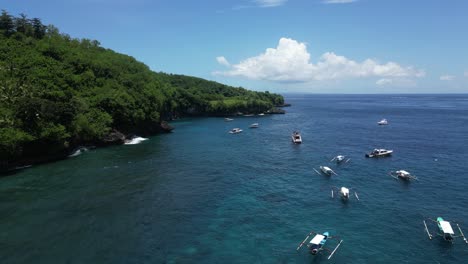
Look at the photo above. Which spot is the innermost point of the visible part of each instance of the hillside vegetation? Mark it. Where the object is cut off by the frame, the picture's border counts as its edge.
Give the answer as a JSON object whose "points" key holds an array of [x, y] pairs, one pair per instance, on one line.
{"points": [[59, 92]]}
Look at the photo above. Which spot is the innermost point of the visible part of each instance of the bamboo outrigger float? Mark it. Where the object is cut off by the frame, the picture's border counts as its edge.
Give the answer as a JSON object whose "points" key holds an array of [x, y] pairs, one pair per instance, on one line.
{"points": [[445, 230], [317, 243]]}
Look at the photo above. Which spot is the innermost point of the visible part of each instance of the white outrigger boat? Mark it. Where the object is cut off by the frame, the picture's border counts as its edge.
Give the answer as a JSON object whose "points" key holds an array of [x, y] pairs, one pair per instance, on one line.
{"points": [[382, 122], [227, 119], [325, 170], [340, 158], [317, 243], [254, 125], [377, 153], [296, 137], [235, 131], [445, 230], [344, 193], [402, 174]]}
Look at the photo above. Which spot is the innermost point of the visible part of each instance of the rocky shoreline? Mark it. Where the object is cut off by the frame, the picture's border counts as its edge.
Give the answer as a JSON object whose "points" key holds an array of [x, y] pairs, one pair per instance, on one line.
{"points": [[115, 137]]}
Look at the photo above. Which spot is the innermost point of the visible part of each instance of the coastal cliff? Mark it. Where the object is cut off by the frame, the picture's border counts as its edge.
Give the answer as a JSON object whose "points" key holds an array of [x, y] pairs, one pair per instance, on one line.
{"points": [[59, 92]]}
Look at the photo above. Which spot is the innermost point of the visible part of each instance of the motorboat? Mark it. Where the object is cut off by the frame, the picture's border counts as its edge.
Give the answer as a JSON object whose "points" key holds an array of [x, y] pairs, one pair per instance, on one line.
{"points": [[134, 140], [383, 122], [377, 153], [296, 137], [254, 125], [235, 131], [227, 119]]}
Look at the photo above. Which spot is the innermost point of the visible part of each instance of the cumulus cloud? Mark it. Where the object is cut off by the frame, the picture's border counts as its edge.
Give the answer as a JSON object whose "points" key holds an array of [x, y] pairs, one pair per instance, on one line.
{"points": [[270, 3], [290, 62], [338, 1], [447, 77], [221, 60], [383, 82]]}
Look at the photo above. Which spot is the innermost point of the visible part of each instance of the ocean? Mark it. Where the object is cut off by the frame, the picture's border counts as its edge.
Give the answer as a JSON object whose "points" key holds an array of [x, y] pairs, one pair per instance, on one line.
{"points": [[202, 195]]}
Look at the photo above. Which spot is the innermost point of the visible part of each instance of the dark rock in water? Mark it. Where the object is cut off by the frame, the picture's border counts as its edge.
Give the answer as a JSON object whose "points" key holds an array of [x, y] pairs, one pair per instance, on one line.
{"points": [[113, 138], [276, 110], [166, 127]]}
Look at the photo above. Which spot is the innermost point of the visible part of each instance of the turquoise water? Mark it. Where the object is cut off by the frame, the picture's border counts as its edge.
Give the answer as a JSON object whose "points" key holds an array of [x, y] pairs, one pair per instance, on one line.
{"points": [[201, 195]]}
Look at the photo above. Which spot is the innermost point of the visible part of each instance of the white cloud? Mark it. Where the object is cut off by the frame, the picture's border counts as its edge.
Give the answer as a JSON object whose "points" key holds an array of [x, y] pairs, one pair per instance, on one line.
{"points": [[338, 1], [290, 62], [270, 3], [221, 60], [383, 82], [447, 77]]}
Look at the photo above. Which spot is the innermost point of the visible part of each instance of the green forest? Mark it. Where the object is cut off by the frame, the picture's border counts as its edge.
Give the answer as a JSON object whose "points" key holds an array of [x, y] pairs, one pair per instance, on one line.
{"points": [[59, 92]]}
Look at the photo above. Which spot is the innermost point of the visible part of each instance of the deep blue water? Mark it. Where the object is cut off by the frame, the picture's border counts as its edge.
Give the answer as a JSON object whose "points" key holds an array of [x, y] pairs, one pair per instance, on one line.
{"points": [[201, 195]]}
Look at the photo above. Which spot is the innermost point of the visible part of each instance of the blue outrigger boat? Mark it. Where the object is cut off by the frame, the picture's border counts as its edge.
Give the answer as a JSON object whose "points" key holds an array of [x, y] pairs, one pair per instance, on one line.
{"points": [[445, 230], [317, 243]]}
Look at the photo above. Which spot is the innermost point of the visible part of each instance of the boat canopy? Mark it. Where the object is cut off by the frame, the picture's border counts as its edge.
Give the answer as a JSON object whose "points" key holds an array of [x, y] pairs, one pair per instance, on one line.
{"points": [[403, 172], [317, 239], [344, 190], [446, 227]]}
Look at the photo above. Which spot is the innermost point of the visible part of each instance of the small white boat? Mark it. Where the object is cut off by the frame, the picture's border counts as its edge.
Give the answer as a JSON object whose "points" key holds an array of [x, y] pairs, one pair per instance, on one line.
{"points": [[344, 193], [376, 153], [340, 158], [254, 125], [261, 114], [227, 119], [235, 131], [383, 122], [402, 174], [248, 115], [296, 137], [326, 170]]}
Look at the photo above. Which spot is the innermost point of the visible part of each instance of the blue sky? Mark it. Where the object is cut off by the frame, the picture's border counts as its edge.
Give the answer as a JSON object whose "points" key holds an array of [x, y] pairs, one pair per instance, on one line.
{"points": [[311, 46]]}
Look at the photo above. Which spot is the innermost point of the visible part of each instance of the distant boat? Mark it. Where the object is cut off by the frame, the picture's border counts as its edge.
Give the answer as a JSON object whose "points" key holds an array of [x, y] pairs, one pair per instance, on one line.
{"points": [[261, 114], [235, 131], [326, 170], [383, 122], [377, 153], [228, 119], [249, 115], [402, 174], [296, 137], [340, 158], [134, 141], [254, 125], [78, 152]]}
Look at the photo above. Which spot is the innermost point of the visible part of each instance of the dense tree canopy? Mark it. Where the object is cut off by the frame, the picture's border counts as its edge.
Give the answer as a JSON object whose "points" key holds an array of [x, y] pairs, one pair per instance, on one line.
{"points": [[57, 92]]}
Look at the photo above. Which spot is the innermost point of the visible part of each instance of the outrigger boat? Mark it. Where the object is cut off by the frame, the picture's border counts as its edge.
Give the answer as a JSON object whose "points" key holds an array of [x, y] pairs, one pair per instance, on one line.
{"points": [[227, 119], [402, 174], [317, 243], [235, 131], [344, 193], [445, 230], [377, 153], [340, 158], [325, 170], [254, 125], [296, 137]]}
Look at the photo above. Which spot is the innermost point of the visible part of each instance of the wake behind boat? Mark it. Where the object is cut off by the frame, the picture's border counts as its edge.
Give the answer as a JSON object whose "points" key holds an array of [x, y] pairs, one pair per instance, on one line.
{"points": [[296, 137]]}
